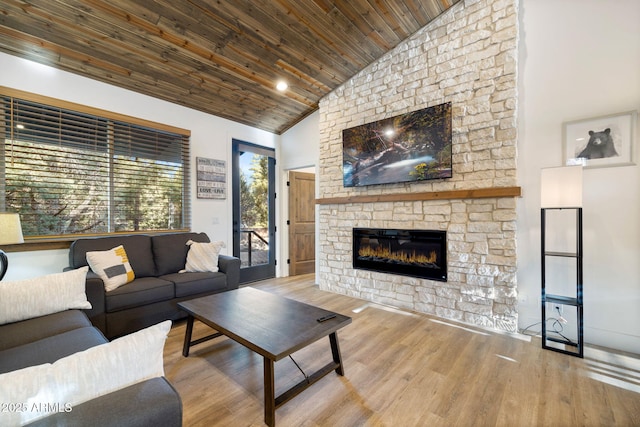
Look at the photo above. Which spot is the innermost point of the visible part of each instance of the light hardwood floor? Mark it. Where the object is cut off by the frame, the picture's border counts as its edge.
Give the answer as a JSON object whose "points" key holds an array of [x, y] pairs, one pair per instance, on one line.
{"points": [[405, 369]]}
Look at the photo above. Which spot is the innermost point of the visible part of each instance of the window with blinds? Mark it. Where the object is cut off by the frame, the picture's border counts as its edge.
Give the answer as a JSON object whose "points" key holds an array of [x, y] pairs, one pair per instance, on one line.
{"points": [[70, 172]]}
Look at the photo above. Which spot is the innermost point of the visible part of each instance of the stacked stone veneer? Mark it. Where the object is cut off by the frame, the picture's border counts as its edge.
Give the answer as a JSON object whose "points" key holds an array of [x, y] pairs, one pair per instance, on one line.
{"points": [[467, 56]]}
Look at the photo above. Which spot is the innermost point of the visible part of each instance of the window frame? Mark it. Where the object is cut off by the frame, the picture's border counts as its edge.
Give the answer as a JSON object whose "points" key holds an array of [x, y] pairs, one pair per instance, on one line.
{"points": [[63, 241]]}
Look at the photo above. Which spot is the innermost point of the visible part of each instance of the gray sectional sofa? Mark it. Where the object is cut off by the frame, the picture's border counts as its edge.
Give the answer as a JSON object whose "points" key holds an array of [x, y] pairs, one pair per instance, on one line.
{"points": [[49, 338], [158, 286]]}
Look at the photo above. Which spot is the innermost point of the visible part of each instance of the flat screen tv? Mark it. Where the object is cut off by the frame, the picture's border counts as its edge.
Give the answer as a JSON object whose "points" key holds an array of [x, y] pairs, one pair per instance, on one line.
{"points": [[414, 146]]}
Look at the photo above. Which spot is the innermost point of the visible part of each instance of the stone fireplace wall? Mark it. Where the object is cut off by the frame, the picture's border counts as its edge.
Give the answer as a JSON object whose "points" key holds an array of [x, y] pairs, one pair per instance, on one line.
{"points": [[467, 57]]}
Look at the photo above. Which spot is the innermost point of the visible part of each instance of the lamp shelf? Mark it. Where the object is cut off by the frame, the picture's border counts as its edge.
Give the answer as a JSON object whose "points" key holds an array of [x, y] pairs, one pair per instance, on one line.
{"points": [[575, 300], [561, 209], [562, 341], [562, 254], [561, 299]]}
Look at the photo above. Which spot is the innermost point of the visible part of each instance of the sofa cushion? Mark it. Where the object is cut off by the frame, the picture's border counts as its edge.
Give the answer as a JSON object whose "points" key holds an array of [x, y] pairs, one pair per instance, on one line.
{"points": [[84, 375], [197, 283], [26, 331], [50, 349], [142, 291], [152, 402], [138, 248], [170, 250], [39, 296], [112, 267]]}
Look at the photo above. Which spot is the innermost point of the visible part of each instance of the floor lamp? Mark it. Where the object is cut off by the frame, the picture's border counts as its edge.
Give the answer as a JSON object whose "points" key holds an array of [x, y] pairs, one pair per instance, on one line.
{"points": [[561, 189], [10, 234]]}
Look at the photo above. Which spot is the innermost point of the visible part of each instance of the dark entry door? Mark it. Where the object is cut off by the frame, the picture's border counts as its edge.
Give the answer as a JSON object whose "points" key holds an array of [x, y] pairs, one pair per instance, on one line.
{"points": [[254, 210]]}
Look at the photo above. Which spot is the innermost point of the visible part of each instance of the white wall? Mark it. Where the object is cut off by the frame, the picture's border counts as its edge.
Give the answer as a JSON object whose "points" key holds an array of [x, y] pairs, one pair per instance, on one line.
{"points": [[581, 59], [299, 148], [210, 137], [300, 144]]}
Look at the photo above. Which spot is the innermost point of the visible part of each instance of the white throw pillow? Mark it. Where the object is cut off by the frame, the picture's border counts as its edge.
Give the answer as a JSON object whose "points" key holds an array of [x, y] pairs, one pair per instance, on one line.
{"points": [[22, 391], [112, 267], [202, 256], [37, 391], [39, 296]]}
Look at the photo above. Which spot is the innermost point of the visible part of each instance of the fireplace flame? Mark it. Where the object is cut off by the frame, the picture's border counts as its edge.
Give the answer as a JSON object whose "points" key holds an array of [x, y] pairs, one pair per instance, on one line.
{"points": [[402, 256]]}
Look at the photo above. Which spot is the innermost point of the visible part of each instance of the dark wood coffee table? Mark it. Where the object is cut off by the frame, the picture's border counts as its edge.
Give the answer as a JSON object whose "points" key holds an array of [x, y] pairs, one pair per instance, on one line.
{"points": [[270, 325]]}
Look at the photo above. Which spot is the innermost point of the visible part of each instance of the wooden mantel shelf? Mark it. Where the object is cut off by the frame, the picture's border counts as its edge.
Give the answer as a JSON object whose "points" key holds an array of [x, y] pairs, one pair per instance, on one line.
{"points": [[478, 193]]}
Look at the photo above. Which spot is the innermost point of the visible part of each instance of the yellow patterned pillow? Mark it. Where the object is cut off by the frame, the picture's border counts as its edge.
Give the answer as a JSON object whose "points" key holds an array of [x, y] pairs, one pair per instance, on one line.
{"points": [[112, 266]]}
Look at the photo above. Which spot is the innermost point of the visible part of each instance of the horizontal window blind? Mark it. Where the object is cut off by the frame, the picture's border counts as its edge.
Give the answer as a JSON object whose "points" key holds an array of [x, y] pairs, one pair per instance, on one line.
{"points": [[70, 172]]}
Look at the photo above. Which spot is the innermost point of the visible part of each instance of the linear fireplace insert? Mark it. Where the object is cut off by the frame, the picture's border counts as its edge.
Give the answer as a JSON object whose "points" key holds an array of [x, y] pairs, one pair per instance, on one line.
{"points": [[417, 253]]}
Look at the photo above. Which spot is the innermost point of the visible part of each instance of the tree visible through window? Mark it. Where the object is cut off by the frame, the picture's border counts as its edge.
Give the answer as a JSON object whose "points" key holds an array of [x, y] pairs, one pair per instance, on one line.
{"points": [[69, 172]]}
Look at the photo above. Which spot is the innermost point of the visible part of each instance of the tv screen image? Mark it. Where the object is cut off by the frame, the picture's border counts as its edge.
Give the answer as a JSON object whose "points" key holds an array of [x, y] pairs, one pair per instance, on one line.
{"points": [[414, 146]]}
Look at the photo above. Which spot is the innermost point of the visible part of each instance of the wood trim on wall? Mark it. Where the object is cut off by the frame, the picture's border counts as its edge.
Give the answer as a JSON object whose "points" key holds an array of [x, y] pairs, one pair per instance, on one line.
{"points": [[479, 193], [39, 245]]}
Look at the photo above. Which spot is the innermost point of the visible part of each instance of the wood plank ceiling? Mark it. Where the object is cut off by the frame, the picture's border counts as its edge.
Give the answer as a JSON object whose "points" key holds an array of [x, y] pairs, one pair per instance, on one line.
{"points": [[222, 57]]}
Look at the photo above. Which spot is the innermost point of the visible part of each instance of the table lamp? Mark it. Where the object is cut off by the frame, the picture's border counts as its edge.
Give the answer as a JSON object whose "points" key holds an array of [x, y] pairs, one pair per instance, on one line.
{"points": [[10, 233]]}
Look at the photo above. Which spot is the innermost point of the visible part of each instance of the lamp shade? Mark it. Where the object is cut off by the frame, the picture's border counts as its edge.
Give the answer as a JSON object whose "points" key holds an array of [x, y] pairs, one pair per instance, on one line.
{"points": [[561, 187], [10, 229]]}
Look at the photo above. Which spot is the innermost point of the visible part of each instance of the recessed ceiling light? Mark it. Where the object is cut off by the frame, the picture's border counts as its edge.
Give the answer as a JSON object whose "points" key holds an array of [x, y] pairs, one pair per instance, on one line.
{"points": [[20, 126], [282, 86]]}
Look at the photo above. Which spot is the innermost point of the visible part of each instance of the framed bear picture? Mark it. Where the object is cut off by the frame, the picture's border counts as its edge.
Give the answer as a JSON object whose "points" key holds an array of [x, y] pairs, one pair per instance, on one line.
{"points": [[601, 141]]}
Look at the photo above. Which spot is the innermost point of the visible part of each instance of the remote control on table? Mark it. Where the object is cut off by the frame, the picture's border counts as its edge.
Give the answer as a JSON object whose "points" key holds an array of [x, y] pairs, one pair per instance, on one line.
{"points": [[327, 317]]}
